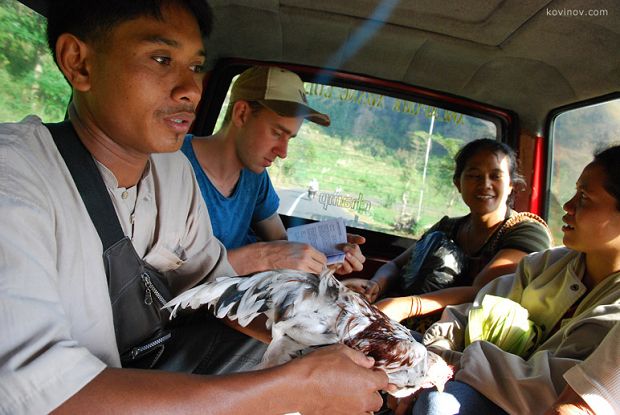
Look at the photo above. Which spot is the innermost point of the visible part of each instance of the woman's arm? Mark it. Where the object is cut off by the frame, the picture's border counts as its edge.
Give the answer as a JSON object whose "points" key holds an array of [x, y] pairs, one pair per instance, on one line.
{"points": [[383, 280], [504, 262], [388, 273]]}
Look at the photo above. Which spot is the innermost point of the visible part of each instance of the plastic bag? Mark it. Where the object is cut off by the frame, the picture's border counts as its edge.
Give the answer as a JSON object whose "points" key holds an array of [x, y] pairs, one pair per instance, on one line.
{"points": [[436, 262]]}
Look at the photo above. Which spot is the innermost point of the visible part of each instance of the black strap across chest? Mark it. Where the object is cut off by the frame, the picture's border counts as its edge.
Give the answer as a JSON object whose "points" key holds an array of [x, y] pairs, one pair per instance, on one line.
{"points": [[89, 182], [137, 291]]}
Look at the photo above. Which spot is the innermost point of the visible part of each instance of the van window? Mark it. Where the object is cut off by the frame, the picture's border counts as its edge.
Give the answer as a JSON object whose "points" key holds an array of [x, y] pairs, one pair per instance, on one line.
{"points": [[31, 81], [575, 135], [385, 163]]}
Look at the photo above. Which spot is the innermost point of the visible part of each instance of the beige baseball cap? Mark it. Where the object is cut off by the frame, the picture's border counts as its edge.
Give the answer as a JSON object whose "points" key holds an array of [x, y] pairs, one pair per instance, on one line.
{"points": [[278, 89]]}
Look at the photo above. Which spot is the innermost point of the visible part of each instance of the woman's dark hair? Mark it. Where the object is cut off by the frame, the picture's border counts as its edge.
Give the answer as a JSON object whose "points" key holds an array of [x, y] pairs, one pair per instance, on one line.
{"points": [[609, 160], [486, 144], [92, 20]]}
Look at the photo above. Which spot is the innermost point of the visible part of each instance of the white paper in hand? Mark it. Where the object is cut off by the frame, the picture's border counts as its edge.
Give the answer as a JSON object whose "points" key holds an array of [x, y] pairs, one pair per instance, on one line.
{"points": [[324, 236]]}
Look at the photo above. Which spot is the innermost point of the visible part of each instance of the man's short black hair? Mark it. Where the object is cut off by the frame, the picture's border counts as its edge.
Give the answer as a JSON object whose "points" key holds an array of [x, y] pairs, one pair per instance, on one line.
{"points": [[92, 20]]}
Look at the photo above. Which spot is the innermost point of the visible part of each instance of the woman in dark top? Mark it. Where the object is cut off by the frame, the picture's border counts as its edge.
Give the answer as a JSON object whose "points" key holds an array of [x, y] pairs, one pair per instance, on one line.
{"points": [[492, 236]]}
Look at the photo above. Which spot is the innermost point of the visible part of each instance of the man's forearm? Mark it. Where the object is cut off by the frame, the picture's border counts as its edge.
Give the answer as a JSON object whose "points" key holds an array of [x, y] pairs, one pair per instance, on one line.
{"points": [[247, 259], [154, 392], [263, 256], [311, 384]]}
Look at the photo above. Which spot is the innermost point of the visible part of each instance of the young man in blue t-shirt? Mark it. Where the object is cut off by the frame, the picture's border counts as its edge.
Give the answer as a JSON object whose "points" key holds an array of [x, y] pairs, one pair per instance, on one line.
{"points": [[267, 107]]}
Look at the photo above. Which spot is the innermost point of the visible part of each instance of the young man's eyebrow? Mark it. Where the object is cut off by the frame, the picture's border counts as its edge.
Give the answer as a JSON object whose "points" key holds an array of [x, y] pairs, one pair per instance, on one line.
{"points": [[168, 42]]}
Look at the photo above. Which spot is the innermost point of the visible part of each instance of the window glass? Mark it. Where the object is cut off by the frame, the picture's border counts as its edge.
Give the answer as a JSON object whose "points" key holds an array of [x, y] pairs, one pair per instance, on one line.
{"points": [[384, 164], [31, 82], [576, 135]]}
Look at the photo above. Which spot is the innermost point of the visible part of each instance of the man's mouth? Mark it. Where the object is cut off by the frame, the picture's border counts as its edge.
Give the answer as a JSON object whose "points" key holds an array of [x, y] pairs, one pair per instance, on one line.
{"points": [[484, 197], [180, 121]]}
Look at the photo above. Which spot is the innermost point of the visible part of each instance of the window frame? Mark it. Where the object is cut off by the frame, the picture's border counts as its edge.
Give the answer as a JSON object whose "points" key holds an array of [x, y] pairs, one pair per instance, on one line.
{"points": [[379, 246], [550, 157]]}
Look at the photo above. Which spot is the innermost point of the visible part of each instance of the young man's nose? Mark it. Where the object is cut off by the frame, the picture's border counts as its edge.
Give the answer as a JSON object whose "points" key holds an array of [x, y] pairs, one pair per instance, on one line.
{"points": [[281, 149]]}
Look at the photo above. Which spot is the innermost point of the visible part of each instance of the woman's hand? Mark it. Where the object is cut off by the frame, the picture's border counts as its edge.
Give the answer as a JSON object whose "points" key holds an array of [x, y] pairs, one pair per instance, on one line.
{"points": [[368, 288]]}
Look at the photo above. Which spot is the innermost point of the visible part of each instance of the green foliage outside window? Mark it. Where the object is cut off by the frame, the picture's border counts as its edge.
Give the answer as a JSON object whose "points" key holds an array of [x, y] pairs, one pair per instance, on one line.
{"points": [[31, 82]]}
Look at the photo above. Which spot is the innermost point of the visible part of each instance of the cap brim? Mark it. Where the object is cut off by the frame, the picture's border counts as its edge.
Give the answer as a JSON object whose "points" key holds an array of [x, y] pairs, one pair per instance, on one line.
{"points": [[294, 109]]}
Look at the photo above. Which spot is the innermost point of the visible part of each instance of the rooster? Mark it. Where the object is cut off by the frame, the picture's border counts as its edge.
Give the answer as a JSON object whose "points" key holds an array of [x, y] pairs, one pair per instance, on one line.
{"points": [[306, 310]]}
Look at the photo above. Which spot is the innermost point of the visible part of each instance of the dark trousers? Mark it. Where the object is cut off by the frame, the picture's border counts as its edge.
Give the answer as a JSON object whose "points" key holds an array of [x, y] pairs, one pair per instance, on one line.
{"points": [[203, 344]]}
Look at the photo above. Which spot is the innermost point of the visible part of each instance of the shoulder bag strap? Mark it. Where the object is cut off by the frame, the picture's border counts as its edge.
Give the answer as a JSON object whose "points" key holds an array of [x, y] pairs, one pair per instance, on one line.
{"points": [[89, 182]]}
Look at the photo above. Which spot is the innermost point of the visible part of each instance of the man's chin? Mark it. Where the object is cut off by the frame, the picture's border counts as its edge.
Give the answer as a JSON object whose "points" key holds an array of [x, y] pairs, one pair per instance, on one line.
{"points": [[257, 169], [172, 144]]}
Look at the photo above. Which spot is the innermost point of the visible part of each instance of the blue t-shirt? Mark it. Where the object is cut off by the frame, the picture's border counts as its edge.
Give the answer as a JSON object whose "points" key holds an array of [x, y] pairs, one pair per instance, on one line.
{"points": [[253, 200]]}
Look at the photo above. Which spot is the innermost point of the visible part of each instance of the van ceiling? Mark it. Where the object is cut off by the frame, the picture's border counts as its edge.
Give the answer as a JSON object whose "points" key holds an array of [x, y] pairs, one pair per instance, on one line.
{"points": [[522, 55]]}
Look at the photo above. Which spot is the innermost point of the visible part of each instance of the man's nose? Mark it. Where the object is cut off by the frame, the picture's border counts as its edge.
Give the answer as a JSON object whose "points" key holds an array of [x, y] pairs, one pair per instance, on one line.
{"points": [[188, 87], [281, 149]]}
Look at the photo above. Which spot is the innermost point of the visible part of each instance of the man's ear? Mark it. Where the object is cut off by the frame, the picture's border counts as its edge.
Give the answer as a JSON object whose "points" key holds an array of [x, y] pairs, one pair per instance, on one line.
{"points": [[72, 54], [240, 113]]}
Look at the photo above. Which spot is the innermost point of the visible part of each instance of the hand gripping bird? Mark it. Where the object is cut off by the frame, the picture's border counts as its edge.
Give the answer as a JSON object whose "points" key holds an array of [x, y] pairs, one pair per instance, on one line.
{"points": [[307, 310]]}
